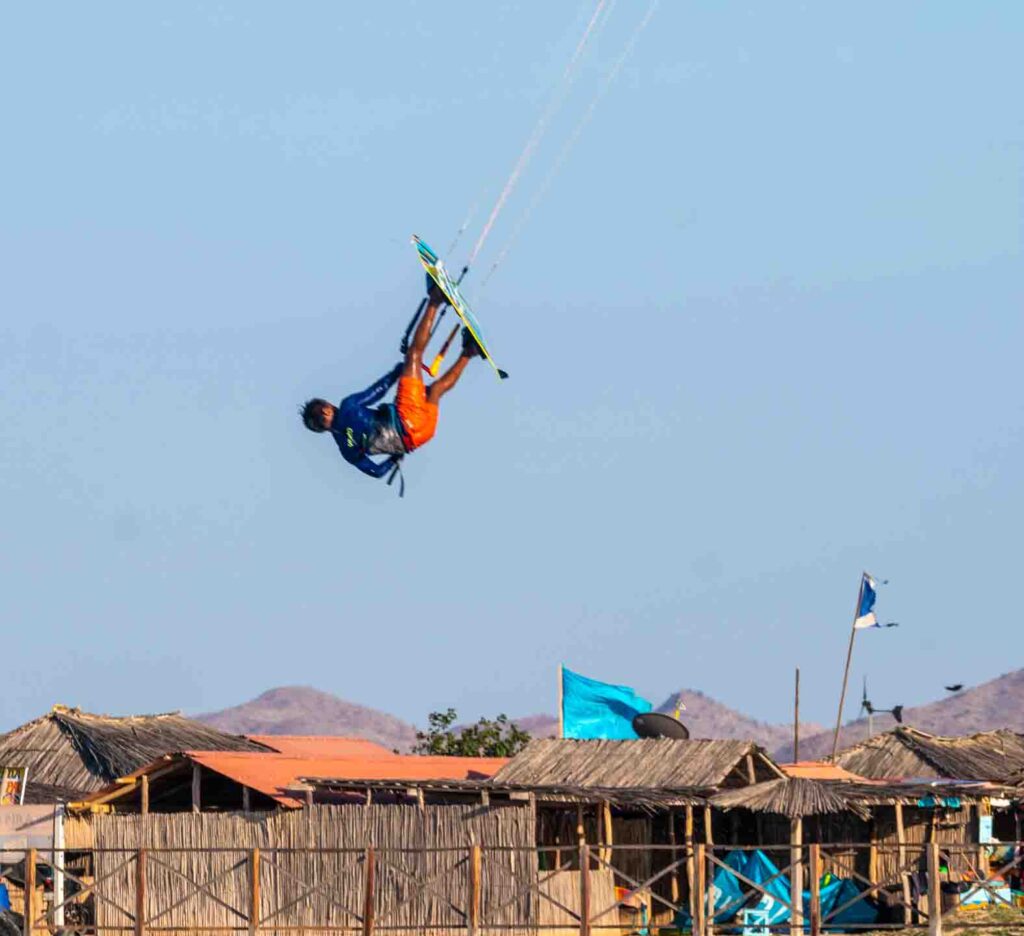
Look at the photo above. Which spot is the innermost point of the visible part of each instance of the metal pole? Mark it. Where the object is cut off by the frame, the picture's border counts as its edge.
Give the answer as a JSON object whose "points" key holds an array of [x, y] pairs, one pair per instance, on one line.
{"points": [[846, 670]]}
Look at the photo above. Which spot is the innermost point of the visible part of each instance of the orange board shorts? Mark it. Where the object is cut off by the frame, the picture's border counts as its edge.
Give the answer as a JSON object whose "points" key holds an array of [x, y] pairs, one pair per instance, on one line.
{"points": [[418, 415]]}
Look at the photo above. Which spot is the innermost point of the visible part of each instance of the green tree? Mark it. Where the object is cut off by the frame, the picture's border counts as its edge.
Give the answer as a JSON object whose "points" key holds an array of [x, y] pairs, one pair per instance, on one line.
{"points": [[487, 738]]}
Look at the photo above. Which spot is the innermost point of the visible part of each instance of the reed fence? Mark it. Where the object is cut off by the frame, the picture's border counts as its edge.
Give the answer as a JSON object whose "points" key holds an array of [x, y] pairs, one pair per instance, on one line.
{"points": [[283, 885]]}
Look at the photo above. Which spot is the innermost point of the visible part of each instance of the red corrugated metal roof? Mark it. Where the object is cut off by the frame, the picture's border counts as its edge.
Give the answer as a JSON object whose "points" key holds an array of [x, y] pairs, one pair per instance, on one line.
{"points": [[818, 770], [272, 774], [322, 745]]}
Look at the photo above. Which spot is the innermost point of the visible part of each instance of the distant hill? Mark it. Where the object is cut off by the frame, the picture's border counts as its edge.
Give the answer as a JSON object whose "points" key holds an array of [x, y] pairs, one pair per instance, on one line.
{"points": [[705, 717], [708, 718], [994, 704], [304, 710]]}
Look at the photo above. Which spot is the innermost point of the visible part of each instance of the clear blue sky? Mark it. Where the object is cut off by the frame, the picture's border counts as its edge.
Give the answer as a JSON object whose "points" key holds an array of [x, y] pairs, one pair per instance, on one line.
{"points": [[765, 331]]}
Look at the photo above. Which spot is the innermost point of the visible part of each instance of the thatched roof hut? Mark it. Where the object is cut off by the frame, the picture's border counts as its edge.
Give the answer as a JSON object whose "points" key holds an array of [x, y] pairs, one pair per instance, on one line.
{"points": [[69, 752], [660, 763], [994, 756]]}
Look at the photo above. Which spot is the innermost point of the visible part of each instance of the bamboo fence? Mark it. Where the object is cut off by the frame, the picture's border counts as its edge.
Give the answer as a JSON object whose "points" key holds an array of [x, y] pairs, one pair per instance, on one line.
{"points": [[312, 869]]}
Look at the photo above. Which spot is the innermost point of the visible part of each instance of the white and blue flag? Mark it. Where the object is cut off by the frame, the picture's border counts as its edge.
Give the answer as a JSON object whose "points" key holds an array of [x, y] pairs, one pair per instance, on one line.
{"points": [[865, 610]]}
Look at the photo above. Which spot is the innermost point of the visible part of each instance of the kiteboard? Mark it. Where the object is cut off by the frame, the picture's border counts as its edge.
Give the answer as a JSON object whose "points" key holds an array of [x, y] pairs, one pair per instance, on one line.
{"points": [[438, 272]]}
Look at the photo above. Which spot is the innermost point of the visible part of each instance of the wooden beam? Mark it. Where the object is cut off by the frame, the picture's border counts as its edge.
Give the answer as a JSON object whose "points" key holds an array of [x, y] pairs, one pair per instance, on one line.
{"points": [[30, 890], [608, 834], [688, 838], [934, 891], [140, 892], [145, 794], [770, 765], [815, 873], [254, 891], [901, 858], [197, 788], [473, 917], [584, 889], [873, 852], [246, 799], [368, 891], [673, 857], [708, 837], [796, 875], [751, 773], [697, 893]]}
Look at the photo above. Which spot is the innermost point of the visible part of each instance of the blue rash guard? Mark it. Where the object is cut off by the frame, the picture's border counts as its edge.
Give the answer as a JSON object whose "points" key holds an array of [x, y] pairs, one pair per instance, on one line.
{"points": [[360, 431]]}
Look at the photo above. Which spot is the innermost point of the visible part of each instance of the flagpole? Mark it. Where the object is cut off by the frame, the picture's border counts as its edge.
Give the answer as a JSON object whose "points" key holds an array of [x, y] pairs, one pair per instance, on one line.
{"points": [[561, 700], [846, 671]]}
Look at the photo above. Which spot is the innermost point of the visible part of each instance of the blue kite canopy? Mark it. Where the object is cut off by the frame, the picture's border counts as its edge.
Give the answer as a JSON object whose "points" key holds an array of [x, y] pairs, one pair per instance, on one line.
{"points": [[773, 901]]}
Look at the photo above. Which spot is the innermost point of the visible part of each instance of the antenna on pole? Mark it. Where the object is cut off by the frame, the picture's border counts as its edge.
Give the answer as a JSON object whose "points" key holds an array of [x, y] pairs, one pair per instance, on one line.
{"points": [[866, 706]]}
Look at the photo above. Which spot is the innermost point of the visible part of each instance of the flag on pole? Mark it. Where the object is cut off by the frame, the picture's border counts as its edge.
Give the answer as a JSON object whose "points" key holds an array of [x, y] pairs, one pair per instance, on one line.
{"points": [[865, 611], [593, 709]]}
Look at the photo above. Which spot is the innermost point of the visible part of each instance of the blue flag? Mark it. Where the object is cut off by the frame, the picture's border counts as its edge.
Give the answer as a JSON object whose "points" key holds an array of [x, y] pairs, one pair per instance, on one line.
{"points": [[865, 610], [592, 709], [868, 595]]}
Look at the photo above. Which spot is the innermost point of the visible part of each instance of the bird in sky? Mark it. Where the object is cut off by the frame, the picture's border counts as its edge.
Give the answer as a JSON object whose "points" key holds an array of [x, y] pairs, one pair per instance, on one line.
{"points": [[956, 687]]}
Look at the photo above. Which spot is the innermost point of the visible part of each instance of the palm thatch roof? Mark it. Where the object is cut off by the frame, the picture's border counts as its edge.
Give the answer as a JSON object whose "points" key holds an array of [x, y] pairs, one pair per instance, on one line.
{"points": [[793, 797], [995, 756], [797, 797], [73, 752], [661, 763]]}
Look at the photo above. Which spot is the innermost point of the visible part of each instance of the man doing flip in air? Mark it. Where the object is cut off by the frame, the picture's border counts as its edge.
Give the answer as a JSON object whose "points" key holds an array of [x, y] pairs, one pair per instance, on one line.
{"points": [[393, 429]]}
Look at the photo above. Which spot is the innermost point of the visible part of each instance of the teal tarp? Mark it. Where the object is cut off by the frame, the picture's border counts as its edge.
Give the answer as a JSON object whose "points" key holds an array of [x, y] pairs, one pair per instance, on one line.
{"points": [[759, 868]]}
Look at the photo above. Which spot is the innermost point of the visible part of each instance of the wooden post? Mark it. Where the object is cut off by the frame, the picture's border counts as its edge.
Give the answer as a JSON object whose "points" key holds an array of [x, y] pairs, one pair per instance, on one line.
{"points": [[815, 872], [873, 853], [609, 833], [709, 881], [901, 859], [370, 860], [934, 891], [708, 837], [796, 875], [751, 773], [30, 890], [584, 889], [473, 916], [581, 828], [982, 809], [254, 891], [145, 794], [674, 877], [197, 777], [140, 892], [846, 670], [688, 838], [796, 719], [246, 800], [697, 892]]}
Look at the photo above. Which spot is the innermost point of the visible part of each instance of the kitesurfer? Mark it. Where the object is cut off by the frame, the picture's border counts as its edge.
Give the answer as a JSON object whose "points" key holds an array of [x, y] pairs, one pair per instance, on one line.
{"points": [[360, 429]]}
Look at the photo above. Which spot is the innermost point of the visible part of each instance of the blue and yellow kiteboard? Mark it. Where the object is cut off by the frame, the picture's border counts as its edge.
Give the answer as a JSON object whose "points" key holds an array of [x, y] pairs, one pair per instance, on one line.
{"points": [[437, 271]]}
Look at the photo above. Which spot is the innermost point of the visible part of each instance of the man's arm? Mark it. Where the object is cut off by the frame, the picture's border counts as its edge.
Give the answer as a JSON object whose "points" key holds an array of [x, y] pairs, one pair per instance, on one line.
{"points": [[375, 391], [375, 469]]}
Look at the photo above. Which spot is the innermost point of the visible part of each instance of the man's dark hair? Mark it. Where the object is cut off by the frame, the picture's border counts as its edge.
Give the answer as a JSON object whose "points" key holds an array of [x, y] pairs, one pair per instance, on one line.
{"points": [[313, 414]]}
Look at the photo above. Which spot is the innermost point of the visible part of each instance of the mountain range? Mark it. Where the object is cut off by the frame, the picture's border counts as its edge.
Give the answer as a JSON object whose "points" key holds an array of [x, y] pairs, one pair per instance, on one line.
{"points": [[998, 703]]}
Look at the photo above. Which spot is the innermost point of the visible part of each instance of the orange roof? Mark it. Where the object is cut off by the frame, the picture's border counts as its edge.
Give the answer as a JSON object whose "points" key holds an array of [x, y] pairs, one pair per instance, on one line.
{"points": [[273, 774], [322, 745], [818, 770]]}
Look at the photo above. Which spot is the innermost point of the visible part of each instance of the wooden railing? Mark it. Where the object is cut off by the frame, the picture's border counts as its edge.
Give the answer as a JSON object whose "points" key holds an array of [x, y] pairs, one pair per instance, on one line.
{"points": [[627, 889]]}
